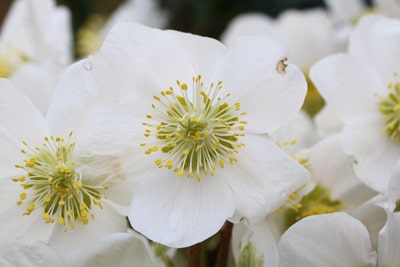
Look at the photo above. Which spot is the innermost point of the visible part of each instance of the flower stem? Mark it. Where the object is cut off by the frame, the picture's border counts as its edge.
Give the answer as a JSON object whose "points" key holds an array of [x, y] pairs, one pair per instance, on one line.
{"points": [[194, 255], [224, 244]]}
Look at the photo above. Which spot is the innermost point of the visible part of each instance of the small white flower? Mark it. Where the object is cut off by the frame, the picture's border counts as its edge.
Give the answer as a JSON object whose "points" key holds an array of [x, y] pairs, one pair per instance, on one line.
{"points": [[147, 12], [59, 182], [309, 35], [35, 46]]}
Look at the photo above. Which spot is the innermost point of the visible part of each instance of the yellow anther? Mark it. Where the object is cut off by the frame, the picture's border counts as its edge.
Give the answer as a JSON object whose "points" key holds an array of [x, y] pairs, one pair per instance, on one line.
{"points": [[221, 163], [168, 164], [22, 196], [60, 220]]}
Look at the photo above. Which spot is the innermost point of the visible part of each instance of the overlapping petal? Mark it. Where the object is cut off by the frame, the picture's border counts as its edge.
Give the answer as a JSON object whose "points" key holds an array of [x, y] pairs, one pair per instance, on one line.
{"points": [[263, 178], [19, 121], [318, 240], [269, 92]]}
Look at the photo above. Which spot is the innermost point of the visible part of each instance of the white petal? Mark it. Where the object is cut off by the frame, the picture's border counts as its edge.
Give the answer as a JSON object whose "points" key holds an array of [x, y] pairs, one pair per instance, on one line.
{"points": [[262, 179], [146, 60], [393, 193], [37, 82], [330, 240], [375, 154], [142, 11], [327, 122], [247, 24], [334, 170], [179, 211], [372, 216], [17, 227], [299, 129], [119, 250], [109, 131], [375, 41], [106, 221], [39, 30], [264, 236], [78, 92], [249, 71], [389, 241], [19, 121], [308, 34], [348, 86], [345, 10], [204, 52], [15, 32], [29, 254], [56, 33]]}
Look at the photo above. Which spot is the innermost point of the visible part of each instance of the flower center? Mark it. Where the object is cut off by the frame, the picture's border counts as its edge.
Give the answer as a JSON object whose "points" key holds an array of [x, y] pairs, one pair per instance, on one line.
{"points": [[390, 108], [53, 183], [194, 132], [318, 201]]}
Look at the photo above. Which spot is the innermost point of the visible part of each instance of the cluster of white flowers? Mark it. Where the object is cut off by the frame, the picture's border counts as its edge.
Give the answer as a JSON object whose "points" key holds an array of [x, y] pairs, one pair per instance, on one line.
{"points": [[159, 140]]}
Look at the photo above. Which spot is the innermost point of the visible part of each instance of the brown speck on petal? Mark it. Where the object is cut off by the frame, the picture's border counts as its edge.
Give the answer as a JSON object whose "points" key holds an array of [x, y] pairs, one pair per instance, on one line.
{"points": [[281, 66]]}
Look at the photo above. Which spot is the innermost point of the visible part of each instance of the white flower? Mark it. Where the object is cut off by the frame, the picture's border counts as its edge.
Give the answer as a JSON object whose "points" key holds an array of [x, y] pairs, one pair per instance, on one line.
{"points": [[333, 187], [199, 109], [309, 35], [326, 122], [147, 12], [363, 88], [35, 46], [345, 11], [59, 182], [318, 240]]}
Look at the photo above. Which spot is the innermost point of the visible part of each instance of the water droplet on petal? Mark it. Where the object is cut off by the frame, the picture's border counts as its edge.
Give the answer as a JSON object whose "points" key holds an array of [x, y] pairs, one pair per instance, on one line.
{"points": [[87, 65]]}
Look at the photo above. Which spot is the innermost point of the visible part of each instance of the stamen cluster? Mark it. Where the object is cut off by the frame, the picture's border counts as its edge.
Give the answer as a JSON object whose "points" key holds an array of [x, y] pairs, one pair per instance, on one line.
{"points": [[195, 132], [53, 183]]}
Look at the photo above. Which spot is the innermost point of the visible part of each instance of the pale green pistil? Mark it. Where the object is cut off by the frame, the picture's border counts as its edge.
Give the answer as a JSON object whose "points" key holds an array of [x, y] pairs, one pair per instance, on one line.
{"points": [[54, 185], [195, 132], [390, 108]]}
